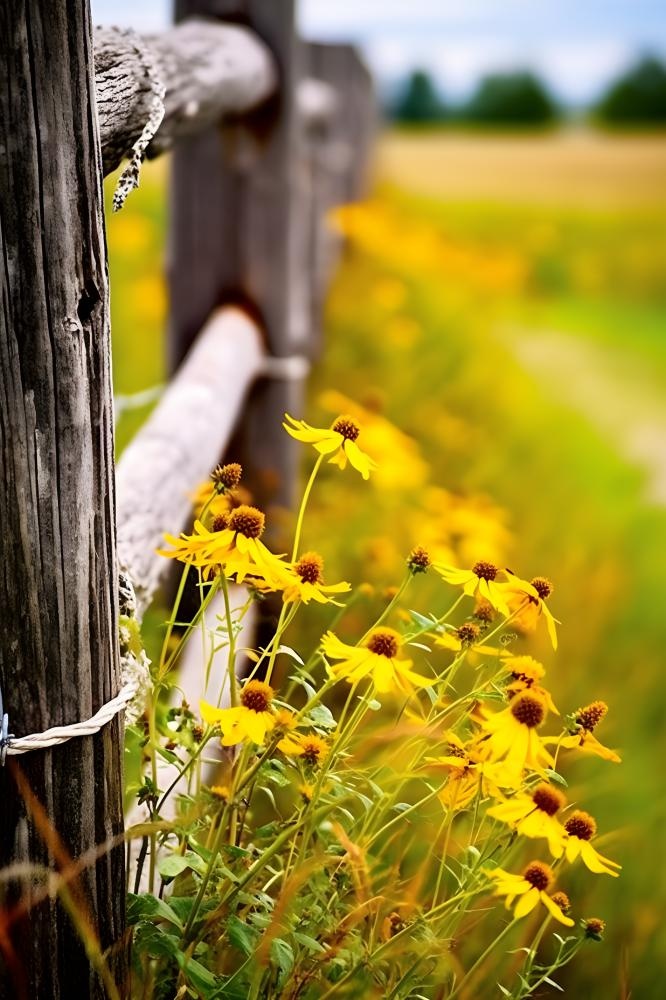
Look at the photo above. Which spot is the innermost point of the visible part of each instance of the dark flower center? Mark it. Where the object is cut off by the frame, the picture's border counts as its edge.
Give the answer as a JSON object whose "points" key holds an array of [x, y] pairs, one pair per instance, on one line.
{"points": [[547, 799], [580, 824], [590, 716], [543, 587], [309, 567], [227, 477], [247, 521], [468, 633], [418, 560], [562, 900], [221, 522], [313, 749], [539, 875], [383, 642], [528, 710], [485, 570], [257, 696], [347, 427]]}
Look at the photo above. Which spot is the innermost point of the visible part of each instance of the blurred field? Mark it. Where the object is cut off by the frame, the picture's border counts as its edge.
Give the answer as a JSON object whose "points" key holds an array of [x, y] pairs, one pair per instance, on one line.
{"points": [[502, 301], [574, 167]]}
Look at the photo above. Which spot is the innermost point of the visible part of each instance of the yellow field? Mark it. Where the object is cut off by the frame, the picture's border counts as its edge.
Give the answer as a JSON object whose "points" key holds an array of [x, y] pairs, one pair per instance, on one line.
{"points": [[572, 167]]}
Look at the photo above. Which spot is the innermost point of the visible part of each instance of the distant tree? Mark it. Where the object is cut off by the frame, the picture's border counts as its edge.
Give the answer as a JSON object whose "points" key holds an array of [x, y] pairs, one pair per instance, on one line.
{"points": [[420, 101], [510, 99], [639, 96]]}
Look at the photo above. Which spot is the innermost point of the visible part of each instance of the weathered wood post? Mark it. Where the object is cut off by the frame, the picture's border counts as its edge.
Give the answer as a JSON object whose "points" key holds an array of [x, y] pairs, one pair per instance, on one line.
{"points": [[58, 583], [237, 234]]}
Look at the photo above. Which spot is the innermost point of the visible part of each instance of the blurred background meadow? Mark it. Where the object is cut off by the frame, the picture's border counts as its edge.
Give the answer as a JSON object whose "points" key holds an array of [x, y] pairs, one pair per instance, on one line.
{"points": [[498, 322]]}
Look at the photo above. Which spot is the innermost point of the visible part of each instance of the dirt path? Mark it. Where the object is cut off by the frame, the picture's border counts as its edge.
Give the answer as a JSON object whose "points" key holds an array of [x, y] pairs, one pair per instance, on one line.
{"points": [[618, 395]]}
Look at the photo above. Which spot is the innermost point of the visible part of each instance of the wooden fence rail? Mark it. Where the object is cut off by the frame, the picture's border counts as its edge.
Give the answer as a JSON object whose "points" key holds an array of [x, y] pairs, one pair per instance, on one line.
{"points": [[268, 135]]}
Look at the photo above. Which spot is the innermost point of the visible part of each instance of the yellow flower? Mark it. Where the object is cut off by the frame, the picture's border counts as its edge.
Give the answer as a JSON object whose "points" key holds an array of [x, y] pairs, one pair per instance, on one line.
{"points": [[531, 888], [466, 636], [526, 672], [533, 815], [306, 582], [528, 614], [513, 733], [312, 748], [468, 773], [378, 658], [482, 580], [339, 441], [581, 827], [250, 720], [585, 721], [233, 544]]}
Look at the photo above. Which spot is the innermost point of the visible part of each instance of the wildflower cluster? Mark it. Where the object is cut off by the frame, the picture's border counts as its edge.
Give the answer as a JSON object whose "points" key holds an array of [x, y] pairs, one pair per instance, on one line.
{"points": [[337, 817]]}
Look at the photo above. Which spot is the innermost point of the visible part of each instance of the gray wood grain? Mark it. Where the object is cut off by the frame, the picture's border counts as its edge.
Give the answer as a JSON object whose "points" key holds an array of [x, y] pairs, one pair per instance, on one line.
{"points": [[59, 657], [209, 70], [180, 444]]}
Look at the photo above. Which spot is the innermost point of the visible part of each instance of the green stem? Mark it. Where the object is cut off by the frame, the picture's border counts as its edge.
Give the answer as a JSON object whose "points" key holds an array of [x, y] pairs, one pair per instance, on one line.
{"points": [[231, 666], [304, 502], [479, 962]]}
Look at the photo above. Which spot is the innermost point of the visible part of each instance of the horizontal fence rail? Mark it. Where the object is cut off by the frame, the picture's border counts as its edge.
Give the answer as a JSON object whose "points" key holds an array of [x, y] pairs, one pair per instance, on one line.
{"points": [[208, 70], [181, 442]]}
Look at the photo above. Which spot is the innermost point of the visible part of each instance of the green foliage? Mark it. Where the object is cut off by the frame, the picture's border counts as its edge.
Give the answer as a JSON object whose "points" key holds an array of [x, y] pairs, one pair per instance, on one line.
{"points": [[510, 99], [636, 98], [420, 102]]}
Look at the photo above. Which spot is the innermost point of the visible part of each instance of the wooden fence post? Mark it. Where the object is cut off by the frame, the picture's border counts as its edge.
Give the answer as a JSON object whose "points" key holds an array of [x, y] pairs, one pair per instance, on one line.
{"points": [[59, 658], [237, 235]]}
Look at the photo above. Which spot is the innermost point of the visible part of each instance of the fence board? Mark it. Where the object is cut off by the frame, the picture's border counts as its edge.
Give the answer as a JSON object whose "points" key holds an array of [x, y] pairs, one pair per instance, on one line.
{"points": [[181, 442], [208, 69], [59, 657]]}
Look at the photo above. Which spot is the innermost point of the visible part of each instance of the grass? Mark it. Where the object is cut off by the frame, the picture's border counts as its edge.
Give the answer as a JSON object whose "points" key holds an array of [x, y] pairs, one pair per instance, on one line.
{"points": [[473, 248]]}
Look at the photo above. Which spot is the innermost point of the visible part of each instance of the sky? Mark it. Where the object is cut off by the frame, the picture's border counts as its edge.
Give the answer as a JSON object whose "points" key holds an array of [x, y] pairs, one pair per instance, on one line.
{"points": [[577, 46]]}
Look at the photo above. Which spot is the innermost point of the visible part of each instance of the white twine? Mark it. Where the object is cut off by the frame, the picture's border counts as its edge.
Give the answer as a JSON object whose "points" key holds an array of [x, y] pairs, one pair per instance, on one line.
{"points": [[129, 179], [291, 368], [61, 734]]}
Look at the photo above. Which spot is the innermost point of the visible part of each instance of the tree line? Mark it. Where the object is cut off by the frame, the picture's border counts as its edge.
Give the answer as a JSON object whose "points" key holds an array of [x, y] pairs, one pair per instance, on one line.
{"points": [[637, 97]]}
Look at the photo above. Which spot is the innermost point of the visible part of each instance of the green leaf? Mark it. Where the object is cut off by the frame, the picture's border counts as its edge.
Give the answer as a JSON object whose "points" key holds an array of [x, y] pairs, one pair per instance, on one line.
{"points": [[422, 620], [288, 651], [175, 864], [283, 955], [308, 942], [147, 907], [152, 940], [556, 778], [204, 982], [320, 715], [241, 935]]}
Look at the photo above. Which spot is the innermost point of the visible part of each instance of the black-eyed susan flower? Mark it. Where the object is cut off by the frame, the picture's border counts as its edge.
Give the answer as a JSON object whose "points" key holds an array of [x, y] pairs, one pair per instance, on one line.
{"points": [[378, 658], [594, 928], [485, 580], [250, 720], [226, 477], [580, 828], [418, 560], [534, 815], [529, 889], [513, 733], [526, 673], [311, 748], [468, 773], [562, 900], [338, 441], [582, 738], [306, 582], [466, 636], [527, 615], [235, 546]]}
